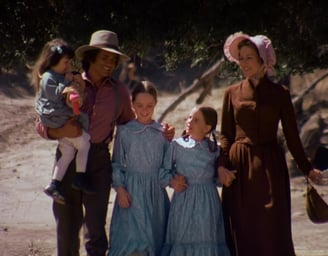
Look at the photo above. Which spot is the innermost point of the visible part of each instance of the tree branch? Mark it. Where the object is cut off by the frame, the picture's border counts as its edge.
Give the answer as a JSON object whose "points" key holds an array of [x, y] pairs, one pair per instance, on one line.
{"points": [[205, 82], [297, 101]]}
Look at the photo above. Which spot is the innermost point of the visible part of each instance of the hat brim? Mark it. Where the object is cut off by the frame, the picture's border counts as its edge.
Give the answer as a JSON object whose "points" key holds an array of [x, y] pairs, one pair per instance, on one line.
{"points": [[231, 46], [79, 52]]}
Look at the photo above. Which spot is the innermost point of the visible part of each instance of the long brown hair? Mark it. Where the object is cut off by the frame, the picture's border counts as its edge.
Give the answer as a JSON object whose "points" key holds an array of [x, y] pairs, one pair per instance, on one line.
{"points": [[51, 53]]}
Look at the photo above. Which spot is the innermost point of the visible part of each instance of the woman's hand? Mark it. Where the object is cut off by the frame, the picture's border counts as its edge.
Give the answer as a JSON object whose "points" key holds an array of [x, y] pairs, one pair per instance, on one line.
{"points": [[315, 176], [178, 183], [168, 131], [226, 177], [71, 129], [123, 197]]}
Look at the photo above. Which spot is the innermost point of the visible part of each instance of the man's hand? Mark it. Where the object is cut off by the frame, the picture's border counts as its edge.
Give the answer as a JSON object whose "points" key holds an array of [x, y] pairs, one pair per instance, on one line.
{"points": [[168, 131], [71, 129]]}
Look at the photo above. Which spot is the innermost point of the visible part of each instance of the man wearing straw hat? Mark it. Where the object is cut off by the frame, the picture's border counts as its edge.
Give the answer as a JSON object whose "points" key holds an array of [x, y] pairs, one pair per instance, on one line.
{"points": [[107, 103]]}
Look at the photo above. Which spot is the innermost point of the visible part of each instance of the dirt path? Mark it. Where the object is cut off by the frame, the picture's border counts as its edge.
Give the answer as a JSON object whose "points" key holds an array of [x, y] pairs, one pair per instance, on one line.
{"points": [[26, 223]]}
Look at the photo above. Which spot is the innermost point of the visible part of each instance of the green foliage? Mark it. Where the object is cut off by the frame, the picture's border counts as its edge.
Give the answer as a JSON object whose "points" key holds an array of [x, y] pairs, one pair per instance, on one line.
{"points": [[183, 31], [18, 27]]}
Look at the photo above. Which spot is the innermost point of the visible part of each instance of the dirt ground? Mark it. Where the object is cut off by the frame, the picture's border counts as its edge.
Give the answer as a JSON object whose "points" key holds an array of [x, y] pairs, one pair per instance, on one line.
{"points": [[26, 223]]}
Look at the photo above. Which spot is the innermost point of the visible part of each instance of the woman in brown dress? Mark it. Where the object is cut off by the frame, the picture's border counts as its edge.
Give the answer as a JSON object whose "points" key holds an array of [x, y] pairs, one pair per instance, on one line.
{"points": [[256, 195]]}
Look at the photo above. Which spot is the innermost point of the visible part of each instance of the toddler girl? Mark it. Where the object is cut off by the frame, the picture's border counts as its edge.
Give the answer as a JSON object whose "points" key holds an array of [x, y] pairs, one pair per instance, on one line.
{"points": [[53, 82]]}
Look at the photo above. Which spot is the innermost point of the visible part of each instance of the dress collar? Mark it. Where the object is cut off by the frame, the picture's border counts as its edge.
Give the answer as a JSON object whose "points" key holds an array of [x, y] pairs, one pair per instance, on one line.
{"points": [[262, 82], [191, 143], [138, 127]]}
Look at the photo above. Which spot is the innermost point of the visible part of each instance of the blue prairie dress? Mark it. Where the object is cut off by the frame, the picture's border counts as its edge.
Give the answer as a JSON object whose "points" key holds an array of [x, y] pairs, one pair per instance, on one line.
{"points": [[137, 160], [195, 224]]}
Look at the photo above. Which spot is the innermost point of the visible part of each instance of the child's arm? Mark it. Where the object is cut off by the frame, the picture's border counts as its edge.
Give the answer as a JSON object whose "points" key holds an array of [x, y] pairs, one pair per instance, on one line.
{"points": [[118, 160], [75, 91], [175, 181], [124, 198], [168, 174], [74, 99]]}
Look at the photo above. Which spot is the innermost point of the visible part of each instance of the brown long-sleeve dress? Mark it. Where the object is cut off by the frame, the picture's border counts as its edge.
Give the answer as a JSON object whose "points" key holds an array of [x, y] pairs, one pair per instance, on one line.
{"points": [[257, 205]]}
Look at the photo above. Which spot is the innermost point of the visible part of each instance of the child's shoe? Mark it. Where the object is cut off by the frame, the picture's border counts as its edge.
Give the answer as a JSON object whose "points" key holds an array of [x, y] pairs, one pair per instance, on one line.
{"points": [[52, 190], [81, 182]]}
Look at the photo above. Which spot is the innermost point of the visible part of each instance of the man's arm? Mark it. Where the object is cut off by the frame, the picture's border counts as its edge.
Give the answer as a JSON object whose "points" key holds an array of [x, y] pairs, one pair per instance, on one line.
{"points": [[70, 129]]}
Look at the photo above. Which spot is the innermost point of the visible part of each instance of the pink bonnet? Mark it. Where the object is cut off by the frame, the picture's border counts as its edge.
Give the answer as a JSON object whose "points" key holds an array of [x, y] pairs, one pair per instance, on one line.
{"points": [[262, 43]]}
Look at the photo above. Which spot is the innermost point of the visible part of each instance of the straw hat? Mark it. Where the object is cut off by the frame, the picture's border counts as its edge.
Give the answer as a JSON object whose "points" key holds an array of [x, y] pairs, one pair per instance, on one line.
{"points": [[263, 44], [105, 40]]}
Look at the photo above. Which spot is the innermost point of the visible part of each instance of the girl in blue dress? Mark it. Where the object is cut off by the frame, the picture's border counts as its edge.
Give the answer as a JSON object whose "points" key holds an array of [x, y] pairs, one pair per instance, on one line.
{"points": [[195, 223], [141, 207]]}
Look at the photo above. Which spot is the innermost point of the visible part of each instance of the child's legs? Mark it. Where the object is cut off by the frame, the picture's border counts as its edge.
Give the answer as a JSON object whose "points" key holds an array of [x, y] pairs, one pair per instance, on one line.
{"points": [[67, 155], [82, 145]]}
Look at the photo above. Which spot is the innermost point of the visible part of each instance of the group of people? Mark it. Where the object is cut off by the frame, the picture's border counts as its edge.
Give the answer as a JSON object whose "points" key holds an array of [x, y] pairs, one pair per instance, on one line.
{"points": [[254, 217]]}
